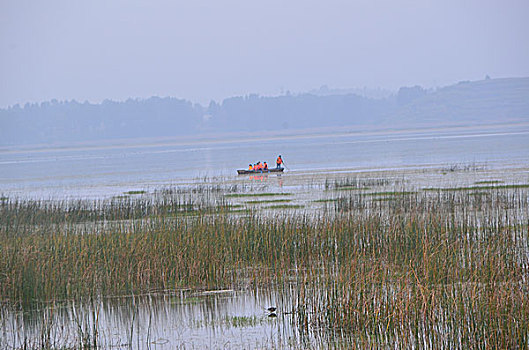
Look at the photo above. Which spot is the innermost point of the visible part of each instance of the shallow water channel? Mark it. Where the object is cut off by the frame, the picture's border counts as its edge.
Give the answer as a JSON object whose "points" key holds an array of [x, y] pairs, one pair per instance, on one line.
{"points": [[183, 319]]}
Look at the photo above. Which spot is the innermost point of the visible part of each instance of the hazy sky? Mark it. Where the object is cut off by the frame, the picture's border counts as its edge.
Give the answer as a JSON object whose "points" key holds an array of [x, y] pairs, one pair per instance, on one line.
{"points": [[202, 50]]}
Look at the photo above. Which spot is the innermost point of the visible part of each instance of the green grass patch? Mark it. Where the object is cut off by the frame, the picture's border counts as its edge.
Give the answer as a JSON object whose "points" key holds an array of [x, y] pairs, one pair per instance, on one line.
{"points": [[122, 196], [190, 300], [269, 201], [390, 193], [235, 211], [477, 188], [285, 206], [351, 188], [135, 192], [242, 321], [329, 200], [266, 194], [488, 182], [384, 199]]}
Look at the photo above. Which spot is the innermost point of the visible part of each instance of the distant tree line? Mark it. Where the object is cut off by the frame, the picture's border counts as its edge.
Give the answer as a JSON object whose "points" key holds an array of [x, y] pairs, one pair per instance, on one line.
{"points": [[485, 101]]}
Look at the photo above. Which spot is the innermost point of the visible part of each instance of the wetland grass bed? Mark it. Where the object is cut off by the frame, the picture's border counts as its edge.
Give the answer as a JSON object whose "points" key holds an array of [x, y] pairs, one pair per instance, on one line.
{"points": [[424, 269]]}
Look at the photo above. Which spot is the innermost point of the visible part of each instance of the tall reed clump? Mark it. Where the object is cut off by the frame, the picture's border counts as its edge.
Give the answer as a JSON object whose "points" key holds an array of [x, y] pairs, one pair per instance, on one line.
{"points": [[442, 270], [427, 269]]}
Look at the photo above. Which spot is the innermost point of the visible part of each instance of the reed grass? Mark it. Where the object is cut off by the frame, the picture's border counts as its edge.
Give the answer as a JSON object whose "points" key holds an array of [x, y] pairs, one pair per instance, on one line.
{"points": [[265, 201], [478, 188], [285, 206], [426, 269], [264, 194]]}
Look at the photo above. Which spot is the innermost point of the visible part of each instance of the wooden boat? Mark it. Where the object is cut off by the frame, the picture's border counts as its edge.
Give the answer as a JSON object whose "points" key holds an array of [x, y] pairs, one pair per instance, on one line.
{"points": [[251, 172]]}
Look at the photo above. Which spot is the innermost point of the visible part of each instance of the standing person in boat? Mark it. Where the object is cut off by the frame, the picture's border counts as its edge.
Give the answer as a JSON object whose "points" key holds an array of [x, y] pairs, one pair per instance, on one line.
{"points": [[279, 162]]}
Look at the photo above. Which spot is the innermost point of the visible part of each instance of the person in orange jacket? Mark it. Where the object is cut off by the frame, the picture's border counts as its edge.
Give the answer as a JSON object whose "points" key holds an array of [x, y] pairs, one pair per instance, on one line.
{"points": [[279, 162], [250, 167], [265, 166]]}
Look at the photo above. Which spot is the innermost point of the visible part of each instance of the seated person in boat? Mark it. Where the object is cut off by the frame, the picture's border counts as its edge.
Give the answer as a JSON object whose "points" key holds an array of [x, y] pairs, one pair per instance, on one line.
{"points": [[250, 167], [265, 166]]}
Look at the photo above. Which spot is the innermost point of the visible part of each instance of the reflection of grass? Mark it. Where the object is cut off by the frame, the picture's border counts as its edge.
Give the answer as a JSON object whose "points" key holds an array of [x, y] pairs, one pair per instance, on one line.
{"points": [[266, 194], [285, 206], [477, 188], [269, 201], [135, 192], [3, 198]]}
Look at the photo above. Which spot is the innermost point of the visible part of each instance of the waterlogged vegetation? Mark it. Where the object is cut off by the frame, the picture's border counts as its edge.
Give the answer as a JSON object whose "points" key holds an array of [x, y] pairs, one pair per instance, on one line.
{"points": [[136, 192], [474, 188], [265, 194], [392, 267], [285, 206], [356, 182], [269, 201], [488, 182]]}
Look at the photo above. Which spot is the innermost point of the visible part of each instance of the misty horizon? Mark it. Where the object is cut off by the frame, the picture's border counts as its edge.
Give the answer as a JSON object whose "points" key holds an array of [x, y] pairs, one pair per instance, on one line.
{"points": [[209, 51], [323, 90]]}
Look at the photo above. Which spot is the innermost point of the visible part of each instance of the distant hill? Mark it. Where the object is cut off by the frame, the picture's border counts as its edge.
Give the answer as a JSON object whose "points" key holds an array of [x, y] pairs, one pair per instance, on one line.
{"points": [[54, 122], [484, 101]]}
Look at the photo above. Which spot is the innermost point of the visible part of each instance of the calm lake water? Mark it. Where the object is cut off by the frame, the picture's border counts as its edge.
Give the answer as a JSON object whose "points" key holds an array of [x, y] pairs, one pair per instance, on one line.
{"points": [[220, 319], [106, 170]]}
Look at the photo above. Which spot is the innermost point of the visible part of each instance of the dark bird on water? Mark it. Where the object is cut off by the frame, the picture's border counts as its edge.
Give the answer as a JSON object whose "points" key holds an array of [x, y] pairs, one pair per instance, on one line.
{"points": [[272, 309]]}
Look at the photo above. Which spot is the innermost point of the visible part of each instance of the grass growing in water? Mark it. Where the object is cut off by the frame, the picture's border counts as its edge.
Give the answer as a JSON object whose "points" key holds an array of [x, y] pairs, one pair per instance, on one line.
{"points": [[285, 206], [445, 268], [135, 192], [488, 182], [473, 188], [269, 201], [329, 200], [265, 194]]}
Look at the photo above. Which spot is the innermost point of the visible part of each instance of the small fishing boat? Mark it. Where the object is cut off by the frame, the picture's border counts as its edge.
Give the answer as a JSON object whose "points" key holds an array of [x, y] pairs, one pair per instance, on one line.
{"points": [[272, 170]]}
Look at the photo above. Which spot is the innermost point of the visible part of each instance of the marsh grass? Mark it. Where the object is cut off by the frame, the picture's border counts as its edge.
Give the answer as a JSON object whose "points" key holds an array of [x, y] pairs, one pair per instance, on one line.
{"points": [[352, 183], [488, 182], [478, 188], [135, 192], [325, 200], [264, 194], [242, 321], [285, 206], [432, 268], [390, 193], [268, 201]]}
